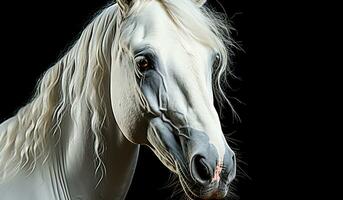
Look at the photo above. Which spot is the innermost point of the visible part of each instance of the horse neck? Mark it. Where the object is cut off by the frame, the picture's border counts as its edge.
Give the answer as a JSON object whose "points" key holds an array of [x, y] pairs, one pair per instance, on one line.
{"points": [[71, 168], [119, 158]]}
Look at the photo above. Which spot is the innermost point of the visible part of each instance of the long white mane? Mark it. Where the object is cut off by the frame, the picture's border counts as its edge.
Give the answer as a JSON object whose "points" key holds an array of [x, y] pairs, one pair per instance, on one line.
{"points": [[76, 84]]}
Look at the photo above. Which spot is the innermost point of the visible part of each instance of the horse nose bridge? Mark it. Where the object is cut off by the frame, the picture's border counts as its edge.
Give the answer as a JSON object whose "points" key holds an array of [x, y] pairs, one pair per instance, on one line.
{"points": [[201, 111], [191, 95], [193, 112]]}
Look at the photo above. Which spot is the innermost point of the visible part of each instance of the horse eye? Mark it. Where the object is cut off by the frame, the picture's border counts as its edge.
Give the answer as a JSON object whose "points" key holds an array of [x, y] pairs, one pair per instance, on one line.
{"points": [[143, 63]]}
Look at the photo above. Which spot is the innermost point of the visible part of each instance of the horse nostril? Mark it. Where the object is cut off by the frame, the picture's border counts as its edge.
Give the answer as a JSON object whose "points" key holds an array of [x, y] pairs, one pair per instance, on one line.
{"points": [[200, 169]]}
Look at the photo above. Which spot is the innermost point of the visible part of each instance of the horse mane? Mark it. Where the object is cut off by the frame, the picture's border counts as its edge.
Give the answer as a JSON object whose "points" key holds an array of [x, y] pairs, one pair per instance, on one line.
{"points": [[76, 84]]}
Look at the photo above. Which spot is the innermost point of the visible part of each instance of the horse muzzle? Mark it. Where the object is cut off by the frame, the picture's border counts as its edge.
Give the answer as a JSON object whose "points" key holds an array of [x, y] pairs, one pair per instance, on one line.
{"points": [[203, 173]]}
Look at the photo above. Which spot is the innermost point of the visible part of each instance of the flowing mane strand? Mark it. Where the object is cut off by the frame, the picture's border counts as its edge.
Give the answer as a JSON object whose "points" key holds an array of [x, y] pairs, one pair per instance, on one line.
{"points": [[74, 85]]}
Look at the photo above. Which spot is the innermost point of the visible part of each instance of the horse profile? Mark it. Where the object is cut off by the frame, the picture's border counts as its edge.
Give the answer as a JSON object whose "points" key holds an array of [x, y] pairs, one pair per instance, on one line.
{"points": [[143, 72]]}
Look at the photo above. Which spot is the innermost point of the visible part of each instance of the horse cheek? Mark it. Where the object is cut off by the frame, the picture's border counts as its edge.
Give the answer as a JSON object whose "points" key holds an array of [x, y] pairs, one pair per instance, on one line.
{"points": [[155, 93]]}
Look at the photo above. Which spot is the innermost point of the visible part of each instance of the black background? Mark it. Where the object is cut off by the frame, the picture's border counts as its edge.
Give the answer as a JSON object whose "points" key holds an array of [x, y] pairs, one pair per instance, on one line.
{"points": [[35, 34]]}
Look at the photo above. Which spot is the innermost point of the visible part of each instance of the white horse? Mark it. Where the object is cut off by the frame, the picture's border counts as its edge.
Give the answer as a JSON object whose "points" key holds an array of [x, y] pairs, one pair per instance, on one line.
{"points": [[142, 72]]}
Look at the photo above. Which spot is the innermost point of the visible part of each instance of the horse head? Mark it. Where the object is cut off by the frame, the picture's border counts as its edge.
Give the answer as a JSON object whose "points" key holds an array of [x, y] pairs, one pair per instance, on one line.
{"points": [[162, 90]]}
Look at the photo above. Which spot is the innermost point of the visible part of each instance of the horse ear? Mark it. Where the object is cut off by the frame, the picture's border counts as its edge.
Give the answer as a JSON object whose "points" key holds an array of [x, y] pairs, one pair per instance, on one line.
{"points": [[199, 2], [124, 5]]}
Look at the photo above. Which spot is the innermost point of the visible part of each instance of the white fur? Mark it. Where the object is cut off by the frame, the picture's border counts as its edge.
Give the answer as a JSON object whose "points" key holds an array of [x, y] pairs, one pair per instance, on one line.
{"points": [[71, 110]]}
